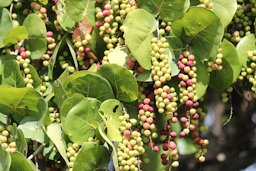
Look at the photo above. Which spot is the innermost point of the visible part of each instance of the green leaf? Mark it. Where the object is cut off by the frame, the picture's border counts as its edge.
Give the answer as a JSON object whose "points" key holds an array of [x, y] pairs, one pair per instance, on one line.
{"points": [[68, 104], [54, 56], [185, 146], [24, 103], [82, 120], [112, 109], [247, 43], [73, 53], [97, 158], [44, 2], [37, 35], [20, 163], [37, 81], [144, 76], [56, 135], [203, 78], [64, 19], [81, 9], [202, 30], [5, 3], [168, 10], [225, 10], [15, 35], [119, 56], [5, 160], [154, 160], [224, 78], [58, 88], [122, 81], [33, 129], [175, 43], [114, 152], [5, 24], [21, 142], [90, 85], [139, 40], [11, 75]]}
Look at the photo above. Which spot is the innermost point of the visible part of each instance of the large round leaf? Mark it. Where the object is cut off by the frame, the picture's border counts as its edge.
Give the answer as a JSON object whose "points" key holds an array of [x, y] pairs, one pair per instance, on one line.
{"points": [[139, 40], [248, 43], [223, 79], [11, 75], [5, 159], [20, 163], [68, 104], [169, 10], [122, 81], [92, 157], [112, 109], [81, 9], [5, 25], [5, 3], [90, 85], [202, 30], [225, 10], [19, 102], [82, 120], [37, 35]]}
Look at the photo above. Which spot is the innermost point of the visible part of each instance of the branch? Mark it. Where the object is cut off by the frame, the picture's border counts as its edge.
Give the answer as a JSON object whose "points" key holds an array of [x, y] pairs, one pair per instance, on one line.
{"points": [[36, 152]]}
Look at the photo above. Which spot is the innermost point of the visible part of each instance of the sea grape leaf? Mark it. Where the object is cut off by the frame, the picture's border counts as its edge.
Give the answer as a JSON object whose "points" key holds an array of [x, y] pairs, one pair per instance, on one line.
{"points": [[82, 120], [81, 9], [168, 10], [224, 78], [122, 81], [37, 35], [139, 40], [5, 25], [97, 157], [15, 35], [202, 30], [112, 110], [247, 43], [90, 85], [24, 103]]}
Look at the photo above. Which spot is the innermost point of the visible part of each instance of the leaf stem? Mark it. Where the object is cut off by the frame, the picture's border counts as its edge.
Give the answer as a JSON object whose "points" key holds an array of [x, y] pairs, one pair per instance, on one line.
{"points": [[38, 150]]}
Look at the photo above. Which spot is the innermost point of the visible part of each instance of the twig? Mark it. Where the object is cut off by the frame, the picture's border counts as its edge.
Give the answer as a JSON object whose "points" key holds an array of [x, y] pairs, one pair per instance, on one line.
{"points": [[38, 150], [10, 10], [92, 56], [20, 44], [231, 111]]}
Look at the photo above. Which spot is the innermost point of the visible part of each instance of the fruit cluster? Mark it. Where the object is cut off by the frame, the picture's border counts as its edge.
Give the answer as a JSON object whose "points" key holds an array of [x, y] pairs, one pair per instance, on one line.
{"points": [[206, 3], [160, 60], [217, 64], [54, 115], [249, 72], [130, 148], [7, 140], [72, 152], [51, 44]]}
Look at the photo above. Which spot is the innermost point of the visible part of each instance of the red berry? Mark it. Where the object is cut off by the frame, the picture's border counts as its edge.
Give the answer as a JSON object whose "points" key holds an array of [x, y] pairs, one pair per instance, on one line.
{"points": [[155, 148]]}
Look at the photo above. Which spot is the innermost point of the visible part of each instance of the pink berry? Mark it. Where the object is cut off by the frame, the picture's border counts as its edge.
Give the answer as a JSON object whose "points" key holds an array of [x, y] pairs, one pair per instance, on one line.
{"points": [[127, 133], [131, 63], [98, 23], [23, 54], [151, 109], [191, 57], [172, 145], [189, 103], [49, 52], [43, 10], [183, 119], [150, 120], [181, 57], [169, 96], [190, 63], [141, 112], [189, 82], [107, 20], [21, 49], [183, 84], [182, 134], [155, 148], [146, 125], [145, 107], [107, 7], [106, 13], [195, 116], [165, 146], [49, 34], [174, 119], [87, 50], [173, 134], [141, 106]]}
